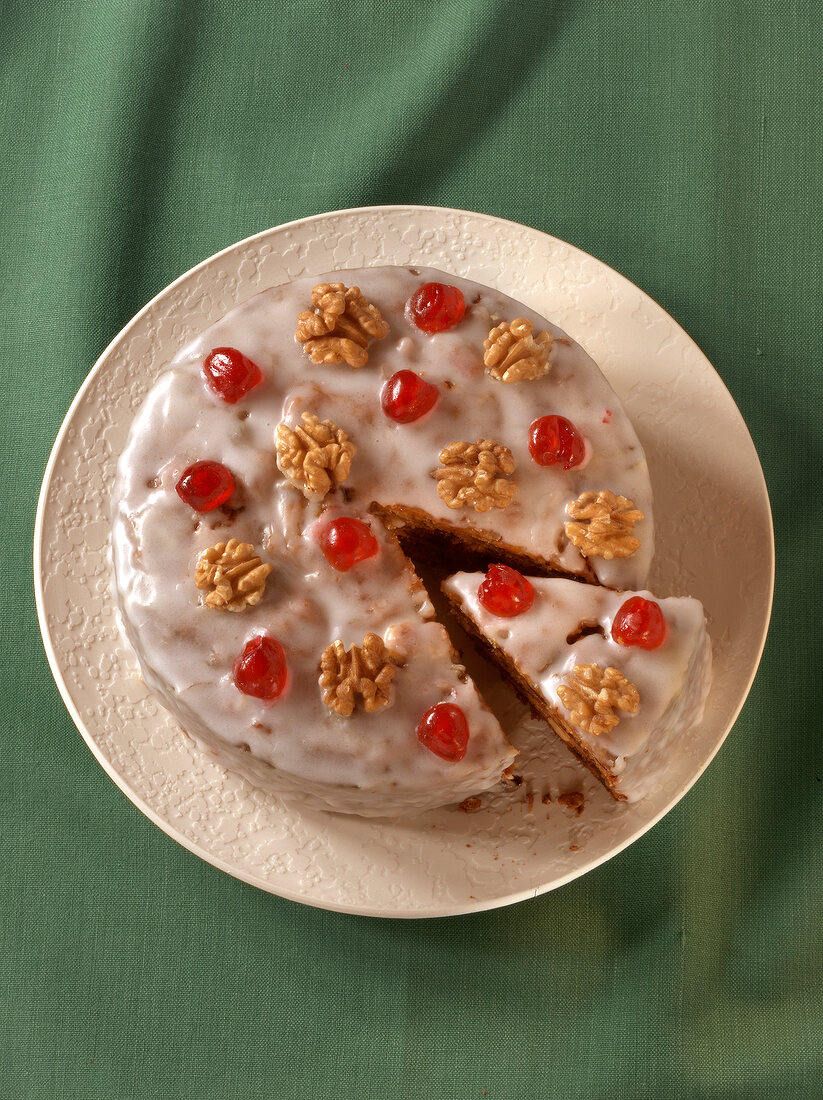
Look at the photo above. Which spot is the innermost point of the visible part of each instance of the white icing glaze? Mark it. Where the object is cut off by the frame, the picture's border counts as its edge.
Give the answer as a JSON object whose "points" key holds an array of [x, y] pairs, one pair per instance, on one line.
{"points": [[369, 764], [673, 680]]}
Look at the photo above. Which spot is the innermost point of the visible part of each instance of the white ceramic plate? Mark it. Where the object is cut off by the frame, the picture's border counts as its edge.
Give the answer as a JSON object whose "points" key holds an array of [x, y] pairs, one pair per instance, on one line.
{"points": [[714, 541]]}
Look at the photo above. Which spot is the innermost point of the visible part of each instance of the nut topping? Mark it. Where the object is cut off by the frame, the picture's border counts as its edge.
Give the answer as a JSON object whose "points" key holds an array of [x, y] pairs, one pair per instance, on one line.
{"points": [[235, 575], [602, 525], [475, 474], [593, 693], [340, 325], [315, 457], [515, 352], [366, 670]]}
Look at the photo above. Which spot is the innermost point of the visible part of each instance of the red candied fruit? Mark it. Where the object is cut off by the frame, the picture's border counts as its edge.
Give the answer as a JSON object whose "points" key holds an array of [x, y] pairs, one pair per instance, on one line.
{"points": [[230, 374], [554, 440], [261, 668], [505, 592], [204, 486], [639, 622], [406, 397], [443, 730], [435, 307], [347, 541]]}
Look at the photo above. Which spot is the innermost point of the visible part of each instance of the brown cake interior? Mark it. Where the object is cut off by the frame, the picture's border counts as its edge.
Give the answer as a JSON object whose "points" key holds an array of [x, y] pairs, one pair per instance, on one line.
{"points": [[454, 549]]}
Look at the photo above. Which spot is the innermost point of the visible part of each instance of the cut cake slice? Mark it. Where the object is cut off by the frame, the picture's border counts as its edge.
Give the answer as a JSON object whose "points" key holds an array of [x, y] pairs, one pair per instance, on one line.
{"points": [[624, 710]]}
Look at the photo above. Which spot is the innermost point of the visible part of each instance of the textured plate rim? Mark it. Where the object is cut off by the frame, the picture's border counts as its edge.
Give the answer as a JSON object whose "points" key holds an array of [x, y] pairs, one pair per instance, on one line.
{"points": [[218, 861]]}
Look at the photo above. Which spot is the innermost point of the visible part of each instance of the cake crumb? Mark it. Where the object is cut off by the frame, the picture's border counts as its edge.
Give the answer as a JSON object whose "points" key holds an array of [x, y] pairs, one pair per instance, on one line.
{"points": [[572, 800], [546, 798], [470, 805]]}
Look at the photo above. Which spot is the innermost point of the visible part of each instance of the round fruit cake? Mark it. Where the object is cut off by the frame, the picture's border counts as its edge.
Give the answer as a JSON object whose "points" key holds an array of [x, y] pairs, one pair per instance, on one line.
{"points": [[279, 474]]}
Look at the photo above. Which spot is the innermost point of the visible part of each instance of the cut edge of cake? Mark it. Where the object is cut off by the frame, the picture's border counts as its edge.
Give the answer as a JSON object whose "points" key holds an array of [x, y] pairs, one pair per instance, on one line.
{"points": [[428, 539]]}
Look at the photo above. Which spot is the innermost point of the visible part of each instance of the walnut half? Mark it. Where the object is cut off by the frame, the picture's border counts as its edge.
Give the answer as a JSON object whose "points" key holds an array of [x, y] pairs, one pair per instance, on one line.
{"points": [[476, 474], [601, 525], [366, 670], [515, 352], [340, 325], [592, 694], [315, 457], [234, 573]]}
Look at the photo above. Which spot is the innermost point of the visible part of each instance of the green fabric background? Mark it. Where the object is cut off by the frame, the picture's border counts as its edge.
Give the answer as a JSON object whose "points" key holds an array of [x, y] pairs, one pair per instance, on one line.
{"points": [[680, 143]]}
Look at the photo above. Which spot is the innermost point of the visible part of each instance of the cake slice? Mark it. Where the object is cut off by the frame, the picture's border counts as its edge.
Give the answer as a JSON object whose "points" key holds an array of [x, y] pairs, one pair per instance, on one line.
{"points": [[621, 677]]}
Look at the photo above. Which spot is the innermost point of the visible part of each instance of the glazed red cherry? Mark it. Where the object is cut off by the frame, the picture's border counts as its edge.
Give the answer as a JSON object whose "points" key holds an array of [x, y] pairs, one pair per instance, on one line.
{"points": [[435, 307], [204, 486], [406, 397], [443, 730], [554, 441], [230, 374], [505, 592], [639, 622], [347, 541], [261, 668]]}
